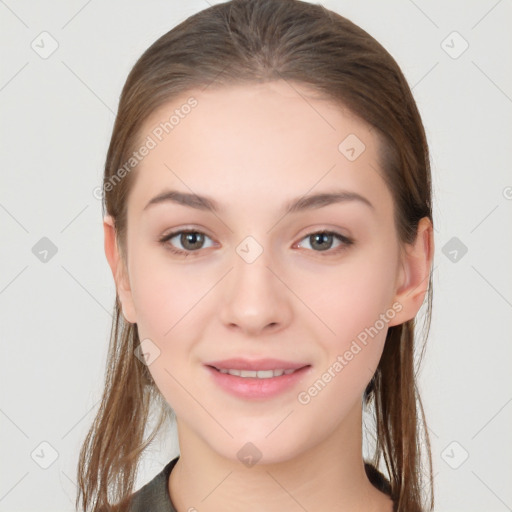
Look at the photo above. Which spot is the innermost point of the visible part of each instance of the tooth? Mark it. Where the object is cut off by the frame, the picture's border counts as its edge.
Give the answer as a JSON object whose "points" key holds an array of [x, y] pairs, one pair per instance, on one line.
{"points": [[260, 374], [248, 373]]}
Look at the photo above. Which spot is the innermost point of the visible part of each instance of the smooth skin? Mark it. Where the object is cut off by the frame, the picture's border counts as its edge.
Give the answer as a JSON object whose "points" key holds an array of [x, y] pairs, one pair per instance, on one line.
{"points": [[252, 148]]}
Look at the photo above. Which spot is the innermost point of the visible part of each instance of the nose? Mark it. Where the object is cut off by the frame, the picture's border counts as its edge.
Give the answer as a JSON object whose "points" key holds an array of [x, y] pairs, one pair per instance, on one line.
{"points": [[254, 296]]}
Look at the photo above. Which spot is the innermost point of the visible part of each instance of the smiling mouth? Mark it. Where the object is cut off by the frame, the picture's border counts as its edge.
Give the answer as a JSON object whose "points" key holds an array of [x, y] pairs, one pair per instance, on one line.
{"points": [[259, 380], [258, 374]]}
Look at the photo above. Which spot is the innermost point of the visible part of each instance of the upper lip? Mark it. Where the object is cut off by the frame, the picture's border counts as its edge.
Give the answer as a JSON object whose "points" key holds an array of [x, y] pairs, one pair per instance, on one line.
{"points": [[255, 364]]}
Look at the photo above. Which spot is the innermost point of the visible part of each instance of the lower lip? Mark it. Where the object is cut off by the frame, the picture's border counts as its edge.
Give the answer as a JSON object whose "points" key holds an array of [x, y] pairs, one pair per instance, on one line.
{"points": [[252, 387]]}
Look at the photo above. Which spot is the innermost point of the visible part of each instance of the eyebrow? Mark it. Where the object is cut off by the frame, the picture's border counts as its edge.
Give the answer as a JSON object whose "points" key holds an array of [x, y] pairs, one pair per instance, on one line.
{"points": [[303, 203]]}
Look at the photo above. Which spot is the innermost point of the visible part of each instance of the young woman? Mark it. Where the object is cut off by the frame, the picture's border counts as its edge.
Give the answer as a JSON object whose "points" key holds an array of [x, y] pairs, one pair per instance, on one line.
{"points": [[268, 223]]}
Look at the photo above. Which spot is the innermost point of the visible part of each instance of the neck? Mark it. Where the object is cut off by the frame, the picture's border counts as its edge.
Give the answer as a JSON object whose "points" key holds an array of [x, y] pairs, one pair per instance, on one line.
{"points": [[328, 477]]}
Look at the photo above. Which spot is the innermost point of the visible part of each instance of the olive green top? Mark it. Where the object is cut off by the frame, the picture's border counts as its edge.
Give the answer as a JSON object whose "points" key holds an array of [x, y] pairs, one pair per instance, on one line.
{"points": [[154, 496]]}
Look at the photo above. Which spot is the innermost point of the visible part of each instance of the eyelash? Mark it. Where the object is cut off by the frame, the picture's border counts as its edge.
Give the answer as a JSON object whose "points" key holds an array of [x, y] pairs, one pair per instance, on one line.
{"points": [[346, 242]]}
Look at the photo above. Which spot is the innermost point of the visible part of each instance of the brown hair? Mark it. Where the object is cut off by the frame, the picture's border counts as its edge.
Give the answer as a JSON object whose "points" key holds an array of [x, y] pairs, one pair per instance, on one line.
{"points": [[252, 41]]}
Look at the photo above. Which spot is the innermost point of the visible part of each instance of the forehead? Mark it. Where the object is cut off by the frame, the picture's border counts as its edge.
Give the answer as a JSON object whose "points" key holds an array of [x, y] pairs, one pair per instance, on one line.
{"points": [[245, 108], [257, 142]]}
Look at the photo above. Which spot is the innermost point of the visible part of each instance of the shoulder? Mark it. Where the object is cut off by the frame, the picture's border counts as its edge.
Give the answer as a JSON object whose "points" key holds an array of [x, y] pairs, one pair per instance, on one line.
{"points": [[154, 495]]}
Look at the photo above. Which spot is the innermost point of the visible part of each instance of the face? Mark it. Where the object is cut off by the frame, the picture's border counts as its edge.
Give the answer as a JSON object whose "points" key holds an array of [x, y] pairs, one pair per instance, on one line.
{"points": [[314, 286]]}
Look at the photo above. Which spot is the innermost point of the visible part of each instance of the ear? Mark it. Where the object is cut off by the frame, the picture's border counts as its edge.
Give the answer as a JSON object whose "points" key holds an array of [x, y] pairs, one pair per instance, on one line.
{"points": [[413, 277], [119, 270]]}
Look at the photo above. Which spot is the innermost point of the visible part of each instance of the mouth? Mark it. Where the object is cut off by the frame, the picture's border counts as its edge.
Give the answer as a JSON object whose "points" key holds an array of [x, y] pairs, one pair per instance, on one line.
{"points": [[262, 379], [256, 374], [259, 368]]}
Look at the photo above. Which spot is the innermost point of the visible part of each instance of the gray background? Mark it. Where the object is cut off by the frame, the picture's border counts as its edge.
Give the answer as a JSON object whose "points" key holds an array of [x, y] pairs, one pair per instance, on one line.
{"points": [[57, 116]]}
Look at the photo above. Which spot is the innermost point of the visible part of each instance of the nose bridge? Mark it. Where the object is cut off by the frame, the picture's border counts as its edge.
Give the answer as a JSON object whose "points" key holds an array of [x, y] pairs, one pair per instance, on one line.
{"points": [[251, 267], [253, 297]]}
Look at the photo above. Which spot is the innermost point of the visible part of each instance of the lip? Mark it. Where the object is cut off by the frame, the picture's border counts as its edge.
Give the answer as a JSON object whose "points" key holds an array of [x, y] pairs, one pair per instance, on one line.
{"points": [[252, 388], [239, 363]]}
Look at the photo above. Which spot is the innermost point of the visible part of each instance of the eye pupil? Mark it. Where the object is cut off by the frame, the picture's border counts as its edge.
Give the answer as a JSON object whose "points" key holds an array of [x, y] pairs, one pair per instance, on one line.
{"points": [[321, 237], [191, 238]]}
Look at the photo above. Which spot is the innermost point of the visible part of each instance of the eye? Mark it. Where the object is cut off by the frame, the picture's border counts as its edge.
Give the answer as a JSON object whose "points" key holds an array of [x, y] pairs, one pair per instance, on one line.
{"points": [[323, 241], [190, 239], [193, 240]]}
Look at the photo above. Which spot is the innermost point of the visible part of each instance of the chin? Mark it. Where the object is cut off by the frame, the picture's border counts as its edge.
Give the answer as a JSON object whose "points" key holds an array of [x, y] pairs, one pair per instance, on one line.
{"points": [[257, 449]]}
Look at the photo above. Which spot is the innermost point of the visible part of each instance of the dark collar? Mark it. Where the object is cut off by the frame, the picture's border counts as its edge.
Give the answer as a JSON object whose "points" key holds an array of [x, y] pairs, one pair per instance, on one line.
{"points": [[154, 496]]}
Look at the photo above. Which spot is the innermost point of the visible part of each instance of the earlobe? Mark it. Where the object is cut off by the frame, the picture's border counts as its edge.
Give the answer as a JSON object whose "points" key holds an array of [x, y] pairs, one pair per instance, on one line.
{"points": [[413, 280], [117, 266]]}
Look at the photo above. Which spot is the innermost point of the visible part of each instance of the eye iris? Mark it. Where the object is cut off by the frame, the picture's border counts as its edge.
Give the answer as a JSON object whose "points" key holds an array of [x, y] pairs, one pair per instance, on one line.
{"points": [[191, 238], [321, 237]]}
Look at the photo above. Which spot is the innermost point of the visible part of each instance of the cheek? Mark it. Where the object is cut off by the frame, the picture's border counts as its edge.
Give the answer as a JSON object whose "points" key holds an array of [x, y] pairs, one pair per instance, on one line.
{"points": [[352, 296], [167, 302], [165, 296], [357, 310], [356, 306]]}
